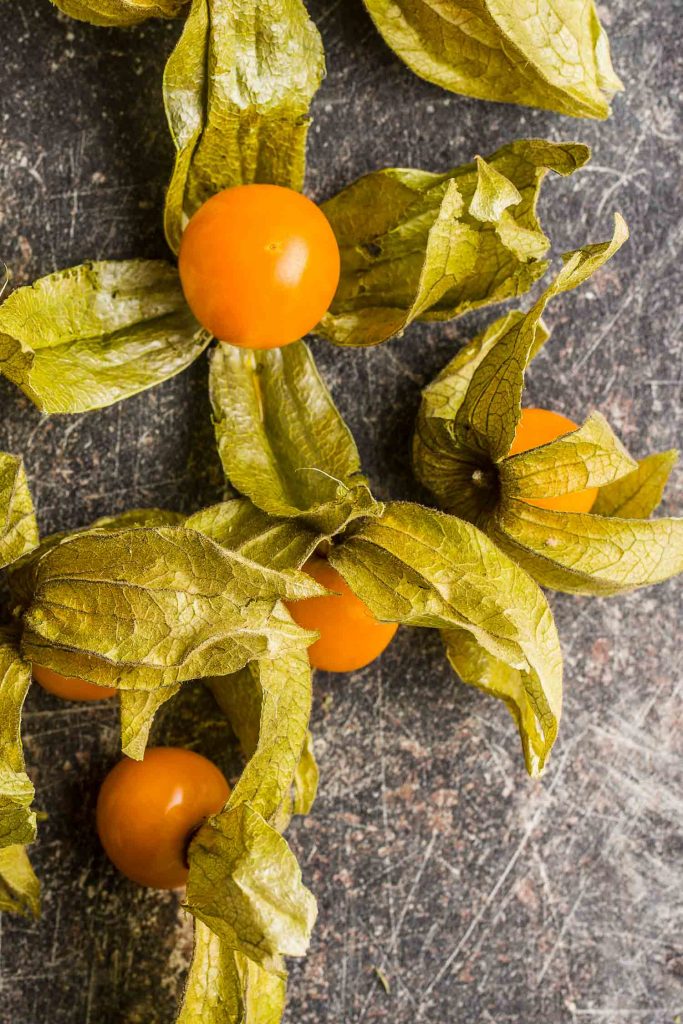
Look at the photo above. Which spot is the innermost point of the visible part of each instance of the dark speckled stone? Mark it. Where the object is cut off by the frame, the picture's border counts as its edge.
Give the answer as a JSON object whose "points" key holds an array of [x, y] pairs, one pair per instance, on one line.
{"points": [[482, 897]]}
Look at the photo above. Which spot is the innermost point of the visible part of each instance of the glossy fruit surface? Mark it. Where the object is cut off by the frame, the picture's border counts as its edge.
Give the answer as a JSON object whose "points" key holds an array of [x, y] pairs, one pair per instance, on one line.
{"points": [[148, 811], [350, 635], [259, 265], [70, 687], [541, 426]]}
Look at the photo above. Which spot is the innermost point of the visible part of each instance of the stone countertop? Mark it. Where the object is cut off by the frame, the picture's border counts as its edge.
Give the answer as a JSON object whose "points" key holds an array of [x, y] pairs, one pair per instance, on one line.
{"points": [[481, 896]]}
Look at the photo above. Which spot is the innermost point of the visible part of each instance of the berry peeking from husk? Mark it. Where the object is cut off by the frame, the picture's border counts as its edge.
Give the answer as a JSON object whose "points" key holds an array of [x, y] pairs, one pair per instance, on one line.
{"points": [[350, 635], [148, 812], [536, 428], [70, 687]]}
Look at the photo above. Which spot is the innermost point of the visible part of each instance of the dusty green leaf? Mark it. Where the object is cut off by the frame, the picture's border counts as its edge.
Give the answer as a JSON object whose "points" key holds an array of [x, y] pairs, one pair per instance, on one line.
{"points": [[17, 820], [18, 527], [241, 527], [416, 245], [486, 419], [224, 987], [137, 709], [554, 55], [245, 884], [244, 881], [214, 993], [282, 818], [461, 478], [306, 779], [444, 396], [237, 90], [93, 335], [21, 575], [588, 457], [637, 495], [493, 195], [266, 993], [19, 887], [477, 667], [120, 12], [386, 284], [425, 568], [149, 607], [281, 439], [589, 554], [268, 705]]}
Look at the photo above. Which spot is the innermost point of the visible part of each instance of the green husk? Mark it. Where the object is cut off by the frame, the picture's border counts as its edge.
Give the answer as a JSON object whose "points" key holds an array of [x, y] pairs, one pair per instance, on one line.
{"points": [[282, 441], [416, 245], [244, 882], [466, 426], [240, 526], [554, 55], [18, 527], [90, 336], [154, 606], [237, 90], [17, 818], [19, 887], [425, 568]]}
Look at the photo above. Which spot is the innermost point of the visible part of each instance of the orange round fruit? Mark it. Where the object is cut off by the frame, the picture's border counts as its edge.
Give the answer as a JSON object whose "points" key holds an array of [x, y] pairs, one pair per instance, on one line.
{"points": [[541, 426], [350, 635], [149, 810], [259, 265], [70, 687]]}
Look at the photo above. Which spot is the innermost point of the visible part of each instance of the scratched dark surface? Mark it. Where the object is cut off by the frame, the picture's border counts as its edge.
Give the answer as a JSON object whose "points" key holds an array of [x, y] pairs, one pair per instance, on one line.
{"points": [[482, 897]]}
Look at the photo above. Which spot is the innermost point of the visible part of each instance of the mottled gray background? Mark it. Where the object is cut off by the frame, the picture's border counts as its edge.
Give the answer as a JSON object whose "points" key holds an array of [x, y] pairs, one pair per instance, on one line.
{"points": [[483, 897]]}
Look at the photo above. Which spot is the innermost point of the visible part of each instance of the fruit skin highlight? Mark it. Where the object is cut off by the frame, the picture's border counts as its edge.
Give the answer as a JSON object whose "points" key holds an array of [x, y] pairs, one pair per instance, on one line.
{"points": [[350, 635], [148, 811], [541, 426], [259, 265], [70, 687]]}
